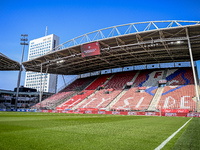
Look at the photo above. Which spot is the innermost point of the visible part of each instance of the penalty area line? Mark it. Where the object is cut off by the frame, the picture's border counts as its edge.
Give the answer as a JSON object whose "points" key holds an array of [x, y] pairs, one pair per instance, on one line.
{"points": [[170, 137]]}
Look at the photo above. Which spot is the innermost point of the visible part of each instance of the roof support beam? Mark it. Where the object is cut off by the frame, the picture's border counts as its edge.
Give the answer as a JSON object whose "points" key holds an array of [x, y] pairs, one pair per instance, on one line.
{"points": [[75, 51], [124, 49], [162, 37], [139, 38], [121, 41], [104, 44]]}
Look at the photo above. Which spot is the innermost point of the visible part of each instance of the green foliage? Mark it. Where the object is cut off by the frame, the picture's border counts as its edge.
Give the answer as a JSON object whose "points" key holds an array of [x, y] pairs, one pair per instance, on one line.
{"points": [[20, 131]]}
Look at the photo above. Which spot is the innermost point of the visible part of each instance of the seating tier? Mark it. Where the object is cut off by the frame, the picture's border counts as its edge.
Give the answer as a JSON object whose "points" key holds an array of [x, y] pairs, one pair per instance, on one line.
{"points": [[181, 76], [134, 100], [178, 97], [148, 78]]}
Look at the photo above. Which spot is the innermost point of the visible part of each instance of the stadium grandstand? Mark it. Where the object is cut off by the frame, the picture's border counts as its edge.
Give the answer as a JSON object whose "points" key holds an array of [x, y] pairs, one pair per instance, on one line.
{"points": [[27, 96], [145, 66]]}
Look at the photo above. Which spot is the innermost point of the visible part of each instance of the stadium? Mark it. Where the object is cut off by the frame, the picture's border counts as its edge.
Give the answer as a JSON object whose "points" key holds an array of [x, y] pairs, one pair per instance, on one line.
{"points": [[130, 73], [147, 60]]}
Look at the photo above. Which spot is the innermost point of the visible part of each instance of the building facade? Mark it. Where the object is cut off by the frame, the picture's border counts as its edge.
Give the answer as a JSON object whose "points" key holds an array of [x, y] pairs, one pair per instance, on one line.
{"points": [[39, 47]]}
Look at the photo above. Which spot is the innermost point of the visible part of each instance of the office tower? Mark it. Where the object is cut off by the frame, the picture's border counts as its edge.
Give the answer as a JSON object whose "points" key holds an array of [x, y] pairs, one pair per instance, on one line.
{"points": [[39, 47]]}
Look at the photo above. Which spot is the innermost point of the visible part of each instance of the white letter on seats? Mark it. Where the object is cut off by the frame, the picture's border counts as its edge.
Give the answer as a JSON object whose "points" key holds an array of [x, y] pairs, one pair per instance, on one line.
{"points": [[183, 102], [167, 101]]}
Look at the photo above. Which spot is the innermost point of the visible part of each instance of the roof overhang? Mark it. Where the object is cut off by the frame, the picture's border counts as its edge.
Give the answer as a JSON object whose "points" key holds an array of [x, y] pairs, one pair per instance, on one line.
{"points": [[159, 45], [7, 64]]}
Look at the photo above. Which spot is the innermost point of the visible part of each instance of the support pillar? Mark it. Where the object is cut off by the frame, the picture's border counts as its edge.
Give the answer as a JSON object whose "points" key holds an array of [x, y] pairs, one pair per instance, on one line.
{"points": [[41, 86], [193, 70], [44, 80]]}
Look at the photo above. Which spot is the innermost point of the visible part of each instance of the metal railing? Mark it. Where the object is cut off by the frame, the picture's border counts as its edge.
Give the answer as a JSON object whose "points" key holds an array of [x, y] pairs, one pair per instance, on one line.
{"points": [[124, 29]]}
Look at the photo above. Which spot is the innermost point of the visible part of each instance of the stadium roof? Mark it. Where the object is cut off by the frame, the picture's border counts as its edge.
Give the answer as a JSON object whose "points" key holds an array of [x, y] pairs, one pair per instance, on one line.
{"points": [[131, 44], [8, 64]]}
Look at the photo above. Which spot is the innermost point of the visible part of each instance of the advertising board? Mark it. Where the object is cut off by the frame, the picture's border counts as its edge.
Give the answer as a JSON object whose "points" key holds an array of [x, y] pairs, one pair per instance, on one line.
{"points": [[90, 49]]}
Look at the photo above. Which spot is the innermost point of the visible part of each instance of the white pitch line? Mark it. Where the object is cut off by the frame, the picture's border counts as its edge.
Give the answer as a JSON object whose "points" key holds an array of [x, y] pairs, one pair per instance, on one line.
{"points": [[170, 137]]}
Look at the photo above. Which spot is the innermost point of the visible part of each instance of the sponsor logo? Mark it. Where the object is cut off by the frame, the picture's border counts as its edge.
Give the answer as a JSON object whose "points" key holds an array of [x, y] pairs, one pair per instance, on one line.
{"points": [[132, 113], [150, 114], [101, 112], [193, 115], [90, 49], [170, 114], [88, 112], [116, 113]]}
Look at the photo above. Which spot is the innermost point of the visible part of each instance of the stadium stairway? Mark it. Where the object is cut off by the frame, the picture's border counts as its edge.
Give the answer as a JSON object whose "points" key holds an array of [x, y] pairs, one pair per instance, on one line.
{"points": [[109, 106], [101, 99], [66, 93], [155, 100], [79, 89], [105, 79], [135, 100], [50, 102], [157, 96], [135, 77], [114, 95], [74, 100], [112, 89], [165, 73], [60, 102], [109, 79], [101, 80], [77, 106]]}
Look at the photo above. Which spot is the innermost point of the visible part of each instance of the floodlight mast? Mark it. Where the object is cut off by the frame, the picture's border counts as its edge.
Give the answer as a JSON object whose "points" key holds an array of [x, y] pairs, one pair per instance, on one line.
{"points": [[23, 39]]}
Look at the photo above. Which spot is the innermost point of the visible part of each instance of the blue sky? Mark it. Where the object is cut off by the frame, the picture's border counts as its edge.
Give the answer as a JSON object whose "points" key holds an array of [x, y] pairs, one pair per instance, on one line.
{"points": [[71, 18]]}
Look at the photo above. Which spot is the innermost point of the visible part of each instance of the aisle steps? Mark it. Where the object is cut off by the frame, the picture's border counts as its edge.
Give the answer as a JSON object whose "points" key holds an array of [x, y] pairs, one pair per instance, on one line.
{"points": [[156, 98]]}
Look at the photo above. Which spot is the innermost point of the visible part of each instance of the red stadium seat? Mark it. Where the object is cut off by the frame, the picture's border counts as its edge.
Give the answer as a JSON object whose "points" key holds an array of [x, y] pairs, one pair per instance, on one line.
{"points": [[133, 100], [102, 98], [63, 94], [178, 97]]}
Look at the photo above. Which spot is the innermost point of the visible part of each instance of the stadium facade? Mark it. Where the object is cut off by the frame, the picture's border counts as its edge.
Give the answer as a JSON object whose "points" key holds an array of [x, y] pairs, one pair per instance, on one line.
{"points": [[39, 47]]}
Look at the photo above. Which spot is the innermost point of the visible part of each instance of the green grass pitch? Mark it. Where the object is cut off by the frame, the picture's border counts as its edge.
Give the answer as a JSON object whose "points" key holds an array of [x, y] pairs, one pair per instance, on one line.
{"points": [[51, 131]]}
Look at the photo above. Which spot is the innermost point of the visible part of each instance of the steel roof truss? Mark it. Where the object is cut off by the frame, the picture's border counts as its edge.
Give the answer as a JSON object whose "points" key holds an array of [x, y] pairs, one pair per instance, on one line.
{"points": [[139, 38]]}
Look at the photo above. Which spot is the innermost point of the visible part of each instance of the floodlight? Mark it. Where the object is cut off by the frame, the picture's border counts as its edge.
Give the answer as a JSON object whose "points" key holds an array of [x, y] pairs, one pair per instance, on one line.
{"points": [[24, 39], [24, 34], [60, 61]]}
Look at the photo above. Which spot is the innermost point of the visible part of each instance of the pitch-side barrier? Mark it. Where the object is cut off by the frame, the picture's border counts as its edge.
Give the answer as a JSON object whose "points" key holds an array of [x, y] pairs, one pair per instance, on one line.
{"points": [[167, 112]]}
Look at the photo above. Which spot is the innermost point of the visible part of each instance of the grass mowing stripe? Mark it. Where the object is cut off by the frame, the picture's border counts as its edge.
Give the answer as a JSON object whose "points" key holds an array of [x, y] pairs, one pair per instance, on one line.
{"points": [[169, 138], [190, 138], [85, 132]]}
